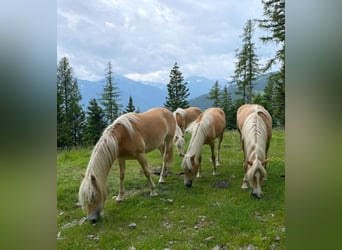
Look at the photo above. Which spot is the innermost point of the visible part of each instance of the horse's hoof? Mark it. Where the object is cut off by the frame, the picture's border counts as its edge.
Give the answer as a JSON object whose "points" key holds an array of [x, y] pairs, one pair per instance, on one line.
{"points": [[118, 198], [153, 194]]}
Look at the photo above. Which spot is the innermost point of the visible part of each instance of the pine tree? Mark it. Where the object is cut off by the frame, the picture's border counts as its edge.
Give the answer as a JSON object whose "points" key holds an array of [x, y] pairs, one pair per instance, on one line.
{"points": [[215, 94], [110, 97], [70, 116], [226, 104], [247, 66], [178, 92], [95, 123], [274, 23], [130, 106]]}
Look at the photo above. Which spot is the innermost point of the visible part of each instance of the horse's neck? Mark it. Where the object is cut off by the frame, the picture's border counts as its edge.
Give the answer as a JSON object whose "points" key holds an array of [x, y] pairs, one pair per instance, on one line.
{"points": [[196, 142], [103, 156]]}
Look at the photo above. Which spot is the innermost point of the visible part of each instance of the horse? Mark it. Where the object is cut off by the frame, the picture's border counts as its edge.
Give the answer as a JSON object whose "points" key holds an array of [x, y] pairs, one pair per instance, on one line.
{"points": [[205, 129], [254, 124], [130, 136], [184, 117]]}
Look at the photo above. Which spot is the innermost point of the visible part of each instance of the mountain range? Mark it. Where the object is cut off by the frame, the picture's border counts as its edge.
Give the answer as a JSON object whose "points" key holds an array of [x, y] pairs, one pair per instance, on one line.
{"points": [[147, 95]]}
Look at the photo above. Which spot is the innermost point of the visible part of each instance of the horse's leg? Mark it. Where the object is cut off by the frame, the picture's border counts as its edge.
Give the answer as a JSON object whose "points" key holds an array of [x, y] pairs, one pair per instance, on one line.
{"points": [[219, 148], [212, 149], [244, 182], [143, 162], [199, 172], [167, 153], [122, 165]]}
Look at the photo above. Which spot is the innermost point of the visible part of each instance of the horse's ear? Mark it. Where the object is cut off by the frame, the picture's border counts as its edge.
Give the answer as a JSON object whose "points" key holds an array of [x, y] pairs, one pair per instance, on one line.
{"points": [[265, 161], [250, 163], [93, 179]]}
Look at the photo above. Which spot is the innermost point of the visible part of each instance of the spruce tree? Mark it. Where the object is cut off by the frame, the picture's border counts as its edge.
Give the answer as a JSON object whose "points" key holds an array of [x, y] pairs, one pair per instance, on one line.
{"points": [[70, 116], [247, 66], [274, 23], [177, 90], [226, 104], [110, 97], [215, 94], [130, 106], [95, 123]]}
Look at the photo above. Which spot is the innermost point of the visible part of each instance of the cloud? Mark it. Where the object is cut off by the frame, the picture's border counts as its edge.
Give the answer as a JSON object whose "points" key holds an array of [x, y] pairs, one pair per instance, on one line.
{"points": [[144, 38]]}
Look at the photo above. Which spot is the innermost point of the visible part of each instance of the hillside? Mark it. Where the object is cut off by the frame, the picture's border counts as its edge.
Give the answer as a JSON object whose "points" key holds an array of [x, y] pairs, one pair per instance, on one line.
{"points": [[204, 103], [147, 95]]}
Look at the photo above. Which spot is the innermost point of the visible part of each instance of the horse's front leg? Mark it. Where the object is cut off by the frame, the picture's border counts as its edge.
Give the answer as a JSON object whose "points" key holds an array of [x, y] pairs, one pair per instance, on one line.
{"points": [[212, 149], [219, 149], [199, 171], [143, 162], [122, 165], [244, 182]]}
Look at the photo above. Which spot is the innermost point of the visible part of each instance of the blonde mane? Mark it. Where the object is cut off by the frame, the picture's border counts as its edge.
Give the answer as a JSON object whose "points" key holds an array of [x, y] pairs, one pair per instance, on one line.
{"points": [[254, 133], [199, 131], [179, 111], [102, 157]]}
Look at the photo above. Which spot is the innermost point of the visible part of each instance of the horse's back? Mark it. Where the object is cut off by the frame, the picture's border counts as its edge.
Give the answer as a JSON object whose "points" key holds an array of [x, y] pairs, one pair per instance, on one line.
{"points": [[157, 121], [247, 109], [191, 114], [218, 118]]}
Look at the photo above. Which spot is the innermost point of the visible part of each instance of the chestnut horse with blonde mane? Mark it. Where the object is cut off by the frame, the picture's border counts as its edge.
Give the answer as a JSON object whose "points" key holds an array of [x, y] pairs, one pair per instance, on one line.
{"points": [[130, 136], [254, 124], [205, 129], [184, 117]]}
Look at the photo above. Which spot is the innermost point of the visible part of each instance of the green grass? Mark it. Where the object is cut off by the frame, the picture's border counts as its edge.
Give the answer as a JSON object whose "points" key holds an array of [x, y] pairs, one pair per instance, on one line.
{"points": [[200, 217]]}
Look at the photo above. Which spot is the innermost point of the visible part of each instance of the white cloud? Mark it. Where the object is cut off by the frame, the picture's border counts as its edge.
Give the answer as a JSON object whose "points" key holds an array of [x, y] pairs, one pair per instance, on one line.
{"points": [[144, 38], [161, 76]]}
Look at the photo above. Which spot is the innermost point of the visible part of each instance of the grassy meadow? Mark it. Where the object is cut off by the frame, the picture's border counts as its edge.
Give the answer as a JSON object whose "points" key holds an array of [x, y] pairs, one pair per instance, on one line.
{"points": [[206, 216]]}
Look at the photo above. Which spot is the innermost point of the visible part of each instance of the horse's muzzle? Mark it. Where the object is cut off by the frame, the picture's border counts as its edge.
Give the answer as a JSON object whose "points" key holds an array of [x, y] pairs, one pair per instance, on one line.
{"points": [[93, 217], [188, 183]]}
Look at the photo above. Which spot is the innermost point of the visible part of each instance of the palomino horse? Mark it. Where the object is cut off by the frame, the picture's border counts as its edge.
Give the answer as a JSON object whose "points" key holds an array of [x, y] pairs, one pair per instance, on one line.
{"points": [[129, 137], [254, 124], [184, 117], [205, 129]]}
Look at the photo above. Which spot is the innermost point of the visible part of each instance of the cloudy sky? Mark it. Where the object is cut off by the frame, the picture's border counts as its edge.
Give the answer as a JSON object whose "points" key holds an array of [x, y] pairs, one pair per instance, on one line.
{"points": [[144, 38]]}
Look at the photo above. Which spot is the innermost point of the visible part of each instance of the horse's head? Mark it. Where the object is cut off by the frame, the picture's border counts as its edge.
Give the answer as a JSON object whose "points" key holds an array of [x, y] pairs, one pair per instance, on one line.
{"points": [[256, 173], [92, 198], [190, 168]]}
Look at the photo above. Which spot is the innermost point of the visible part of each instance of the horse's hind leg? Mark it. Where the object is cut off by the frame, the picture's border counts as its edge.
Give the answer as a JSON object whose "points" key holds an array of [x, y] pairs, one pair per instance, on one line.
{"points": [[143, 162], [122, 165], [167, 153]]}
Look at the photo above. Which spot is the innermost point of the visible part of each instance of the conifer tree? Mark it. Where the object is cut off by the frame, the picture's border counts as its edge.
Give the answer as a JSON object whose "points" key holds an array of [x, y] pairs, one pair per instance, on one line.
{"points": [[274, 23], [95, 123], [110, 97], [215, 94], [177, 90], [70, 116], [130, 106], [227, 106], [247, 66]]}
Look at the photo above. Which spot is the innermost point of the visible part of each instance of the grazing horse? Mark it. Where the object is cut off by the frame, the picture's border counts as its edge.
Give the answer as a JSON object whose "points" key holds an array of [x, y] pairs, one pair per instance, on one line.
{"points": [[205, 129], [254, 124], [130, 136], [184, 117]]}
